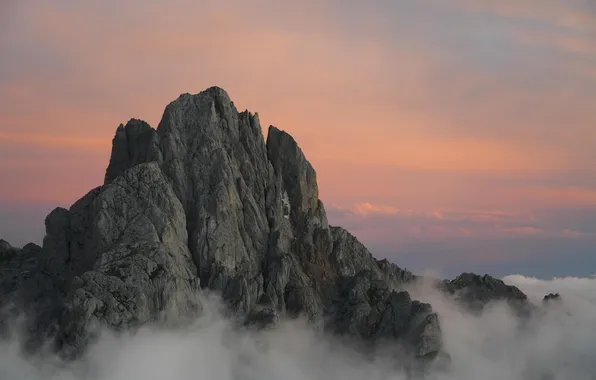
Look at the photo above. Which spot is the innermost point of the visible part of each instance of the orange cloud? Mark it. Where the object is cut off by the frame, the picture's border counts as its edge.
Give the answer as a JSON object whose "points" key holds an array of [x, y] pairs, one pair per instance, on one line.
{"points": [[366, 209], [59, 142], [465, 155]]}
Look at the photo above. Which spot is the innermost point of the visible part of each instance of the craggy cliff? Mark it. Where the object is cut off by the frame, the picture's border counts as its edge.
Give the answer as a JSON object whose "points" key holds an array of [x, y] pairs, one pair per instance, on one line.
{"points": [[203, 202]]}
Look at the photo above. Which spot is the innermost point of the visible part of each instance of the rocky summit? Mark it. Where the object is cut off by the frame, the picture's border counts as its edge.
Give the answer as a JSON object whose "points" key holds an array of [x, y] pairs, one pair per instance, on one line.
{"points": [[204, 203]]}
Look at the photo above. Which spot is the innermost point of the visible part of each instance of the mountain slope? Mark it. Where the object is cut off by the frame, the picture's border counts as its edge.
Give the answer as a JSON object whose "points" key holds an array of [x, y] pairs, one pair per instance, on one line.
{"points": [[201, 203]]}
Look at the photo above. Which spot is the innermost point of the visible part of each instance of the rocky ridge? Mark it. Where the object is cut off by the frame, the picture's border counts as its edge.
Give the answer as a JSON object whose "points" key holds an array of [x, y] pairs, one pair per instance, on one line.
{"points": [[203, 202]]}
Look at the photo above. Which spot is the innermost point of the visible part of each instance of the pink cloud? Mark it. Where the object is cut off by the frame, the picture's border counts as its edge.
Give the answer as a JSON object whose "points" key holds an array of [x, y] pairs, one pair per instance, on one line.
{"points": [[366, 209], [480, 216], [572, 233], [526, 230], [562, 196]]}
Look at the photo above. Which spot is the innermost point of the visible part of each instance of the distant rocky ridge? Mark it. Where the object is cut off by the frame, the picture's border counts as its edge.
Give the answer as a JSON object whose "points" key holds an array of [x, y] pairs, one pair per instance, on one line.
{"points": [[203, 202]]}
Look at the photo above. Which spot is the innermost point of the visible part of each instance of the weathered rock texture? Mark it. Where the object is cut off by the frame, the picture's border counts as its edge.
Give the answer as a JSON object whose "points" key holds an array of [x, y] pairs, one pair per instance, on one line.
{"points": [[17, 265], [204, 202], [476, 292]]}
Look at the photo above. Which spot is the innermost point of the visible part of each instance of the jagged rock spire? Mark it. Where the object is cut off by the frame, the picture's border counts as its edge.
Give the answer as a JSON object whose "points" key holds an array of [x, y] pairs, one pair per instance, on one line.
{"points": [[204, 202]]}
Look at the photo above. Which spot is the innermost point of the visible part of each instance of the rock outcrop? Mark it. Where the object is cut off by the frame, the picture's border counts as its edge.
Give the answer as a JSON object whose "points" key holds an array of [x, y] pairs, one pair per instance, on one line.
{"points": [[475, 292], [134, 265], [552, 298], [201, 203], [16, 266], [366, 306]]}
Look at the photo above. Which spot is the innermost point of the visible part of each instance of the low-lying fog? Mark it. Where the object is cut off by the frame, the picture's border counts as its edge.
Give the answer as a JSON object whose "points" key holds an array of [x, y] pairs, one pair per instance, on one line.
{"points": [[559, 343]]}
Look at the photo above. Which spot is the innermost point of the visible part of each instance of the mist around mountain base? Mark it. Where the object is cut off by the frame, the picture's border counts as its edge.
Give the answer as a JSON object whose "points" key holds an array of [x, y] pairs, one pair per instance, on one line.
{"points": [[557, 343]]}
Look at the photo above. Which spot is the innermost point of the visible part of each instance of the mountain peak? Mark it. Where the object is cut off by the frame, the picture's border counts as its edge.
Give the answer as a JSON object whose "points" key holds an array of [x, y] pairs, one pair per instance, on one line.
{"points": [[203, 203]]}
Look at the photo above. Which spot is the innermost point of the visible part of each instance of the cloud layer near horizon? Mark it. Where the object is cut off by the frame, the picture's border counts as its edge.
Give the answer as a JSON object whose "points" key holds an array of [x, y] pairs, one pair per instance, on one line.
{"points": [[558, 341], [438, 107]]}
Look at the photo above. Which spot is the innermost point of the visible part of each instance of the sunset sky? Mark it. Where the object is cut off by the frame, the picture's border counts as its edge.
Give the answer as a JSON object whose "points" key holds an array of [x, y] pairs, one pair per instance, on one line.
{"points": [[448, 135]]}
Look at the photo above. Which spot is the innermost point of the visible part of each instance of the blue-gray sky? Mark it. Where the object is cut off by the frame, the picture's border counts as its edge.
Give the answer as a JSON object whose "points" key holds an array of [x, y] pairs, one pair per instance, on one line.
{"points": [[447, 134]]}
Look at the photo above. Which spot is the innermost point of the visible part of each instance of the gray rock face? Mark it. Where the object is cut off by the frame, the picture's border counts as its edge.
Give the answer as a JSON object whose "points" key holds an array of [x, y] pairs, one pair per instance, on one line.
{"points": [[262, 318], [16, 266], [366, 306], [203, 202], [24, 288], [477, 291], [5, 248], [134, 144], [552, 298], [142, 267]]}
